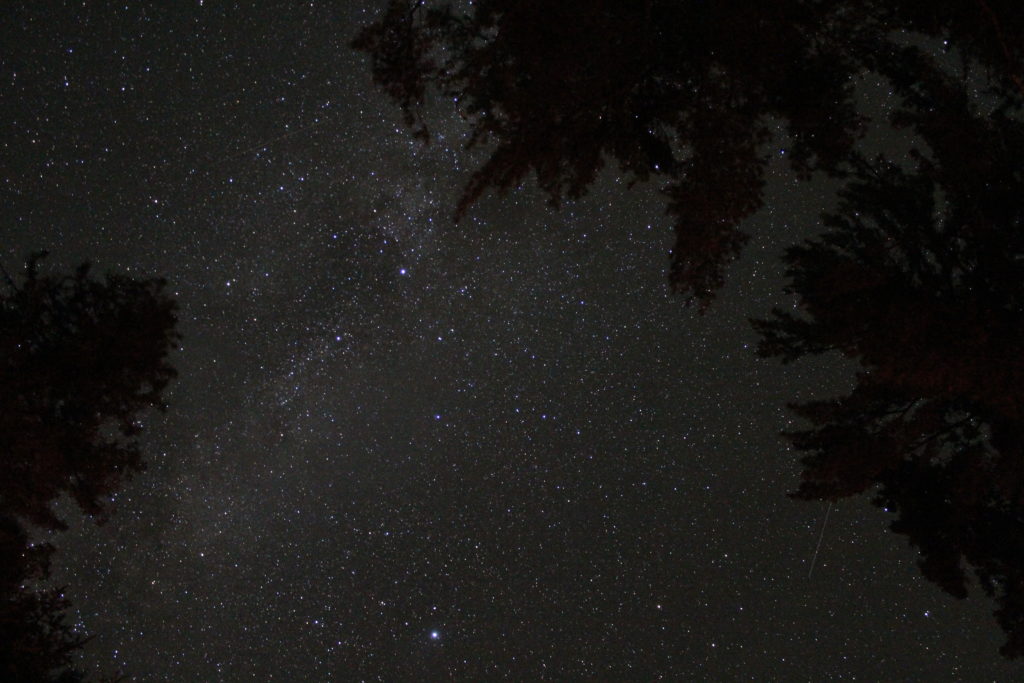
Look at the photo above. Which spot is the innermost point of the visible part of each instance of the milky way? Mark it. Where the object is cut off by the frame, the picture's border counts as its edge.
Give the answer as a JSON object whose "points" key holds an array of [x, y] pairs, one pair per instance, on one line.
{"points": [[404, 449]]}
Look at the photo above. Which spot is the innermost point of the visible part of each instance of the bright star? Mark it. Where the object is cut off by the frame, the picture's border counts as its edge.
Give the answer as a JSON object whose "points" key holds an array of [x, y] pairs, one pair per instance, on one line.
{"points": [[434, 635]]}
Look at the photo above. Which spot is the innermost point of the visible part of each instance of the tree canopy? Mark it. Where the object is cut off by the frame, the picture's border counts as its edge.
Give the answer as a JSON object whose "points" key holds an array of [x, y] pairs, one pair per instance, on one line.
{"points": [[682, 91], [685, 93], [80, 359], [920, 278]]}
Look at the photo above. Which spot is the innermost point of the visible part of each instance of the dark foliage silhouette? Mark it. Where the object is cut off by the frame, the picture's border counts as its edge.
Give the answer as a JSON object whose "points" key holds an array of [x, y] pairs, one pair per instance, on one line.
{"points": [[989, 31], [683, 91], [687, 93], [920, 278], [80, 359], [36, 642]]}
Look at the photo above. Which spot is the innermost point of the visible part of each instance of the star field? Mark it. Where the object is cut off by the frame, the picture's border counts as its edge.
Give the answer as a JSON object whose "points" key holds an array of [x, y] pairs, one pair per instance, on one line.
{"points": [[403, 449]]}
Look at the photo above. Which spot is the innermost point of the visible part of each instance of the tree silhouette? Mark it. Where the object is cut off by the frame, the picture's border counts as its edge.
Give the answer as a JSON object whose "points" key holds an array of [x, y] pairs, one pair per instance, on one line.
{"points": [[36, 643], [921, 279], [80, 358], [684, 91], [989, 31]]}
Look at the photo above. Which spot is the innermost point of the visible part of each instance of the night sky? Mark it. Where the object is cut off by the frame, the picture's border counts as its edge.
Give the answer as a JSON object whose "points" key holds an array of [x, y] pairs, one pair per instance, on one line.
{"points": [[400, 448]]}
